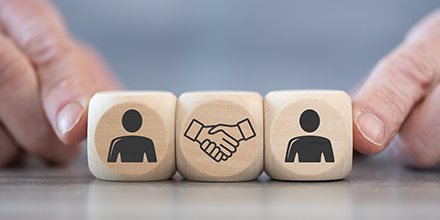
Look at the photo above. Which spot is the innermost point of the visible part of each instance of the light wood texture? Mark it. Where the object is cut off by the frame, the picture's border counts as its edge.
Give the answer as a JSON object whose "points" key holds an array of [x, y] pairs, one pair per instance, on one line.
{"points": [[202, 121], [105, 124], [282, 112]]}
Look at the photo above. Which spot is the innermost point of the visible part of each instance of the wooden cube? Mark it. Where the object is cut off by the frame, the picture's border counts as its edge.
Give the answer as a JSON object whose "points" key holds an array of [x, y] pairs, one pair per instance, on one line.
{"points": [[219, 136], [308, 135], [131, 135]]}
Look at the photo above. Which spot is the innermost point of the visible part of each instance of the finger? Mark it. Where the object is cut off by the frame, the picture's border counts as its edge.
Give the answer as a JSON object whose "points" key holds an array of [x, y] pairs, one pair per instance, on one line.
{"points": [[205, 145], [418, 142], [210, 148], [216, 129], [215, 152], [219, 156], [8, 147], [225, 150], [230, 143], [67, 82], [224, 157], [394, 87], [232, 131], [22, 113], [104, 77]]}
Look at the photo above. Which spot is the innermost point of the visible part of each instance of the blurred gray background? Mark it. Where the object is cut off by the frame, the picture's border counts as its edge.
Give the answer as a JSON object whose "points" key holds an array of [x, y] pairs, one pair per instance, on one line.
{"points": [[242, 45]]}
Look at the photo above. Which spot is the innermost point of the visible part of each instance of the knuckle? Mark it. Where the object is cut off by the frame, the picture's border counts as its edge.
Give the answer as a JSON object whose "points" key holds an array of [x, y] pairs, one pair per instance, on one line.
{"points": [[64, 84], [39, 142], [48, 50], [423, 162], [420, 151], [416, 64], [64, 156], [10, 152], [13, 67], [410, 73], [37, 29], [390, 100], [12, 74]]}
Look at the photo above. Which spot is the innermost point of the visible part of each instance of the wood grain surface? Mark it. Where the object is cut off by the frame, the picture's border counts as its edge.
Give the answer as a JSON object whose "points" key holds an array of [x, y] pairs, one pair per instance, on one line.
{"points": [[283, 110], [242, 112], [106, 111]]}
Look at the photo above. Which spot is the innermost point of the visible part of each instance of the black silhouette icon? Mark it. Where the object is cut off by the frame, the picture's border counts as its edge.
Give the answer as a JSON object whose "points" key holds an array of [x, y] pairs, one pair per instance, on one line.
{"points": [[309, 148], [132, 148], [219, 141]]}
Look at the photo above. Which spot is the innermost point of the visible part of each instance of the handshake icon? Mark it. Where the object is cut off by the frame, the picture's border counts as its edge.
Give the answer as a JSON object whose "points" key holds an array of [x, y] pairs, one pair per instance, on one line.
{"points": [[219, 141]]}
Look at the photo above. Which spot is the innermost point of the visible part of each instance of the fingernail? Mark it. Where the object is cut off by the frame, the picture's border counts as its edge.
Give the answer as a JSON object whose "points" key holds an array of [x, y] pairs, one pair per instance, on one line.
{"points": [[371, 127], [69, 116]]}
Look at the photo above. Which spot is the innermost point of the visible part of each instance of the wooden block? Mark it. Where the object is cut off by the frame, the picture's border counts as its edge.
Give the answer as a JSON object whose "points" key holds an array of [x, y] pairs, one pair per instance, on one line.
{"points": [[131, 135], [219, 136], [308, 135]]}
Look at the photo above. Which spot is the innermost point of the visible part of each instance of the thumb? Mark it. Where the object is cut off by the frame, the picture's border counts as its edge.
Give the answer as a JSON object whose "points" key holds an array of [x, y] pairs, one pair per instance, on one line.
{"points": [[67, 80], [398, 82], [214, 129]]}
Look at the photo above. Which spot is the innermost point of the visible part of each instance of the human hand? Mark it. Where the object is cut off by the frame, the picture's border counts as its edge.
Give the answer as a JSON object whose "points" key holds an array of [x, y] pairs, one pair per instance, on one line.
{"points": [[46, 81], [243, 130], [402, 95], [219, 146], [213, 151], [227, 145], [230, 130], [224, 137]]}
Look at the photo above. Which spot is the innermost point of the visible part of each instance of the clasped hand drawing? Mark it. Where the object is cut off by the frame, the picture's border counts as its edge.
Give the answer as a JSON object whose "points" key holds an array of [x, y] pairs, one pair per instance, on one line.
{"points": [[219, 141]]}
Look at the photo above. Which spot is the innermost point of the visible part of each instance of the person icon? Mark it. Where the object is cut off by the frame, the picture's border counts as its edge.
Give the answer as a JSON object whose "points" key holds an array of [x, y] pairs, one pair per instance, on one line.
{"points": [[310, 147], [132, 148]]}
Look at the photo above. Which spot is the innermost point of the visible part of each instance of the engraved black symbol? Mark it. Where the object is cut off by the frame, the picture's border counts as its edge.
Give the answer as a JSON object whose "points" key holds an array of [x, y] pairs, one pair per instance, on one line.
{"points": [[219, 141], [132, 148], [310, 147]]}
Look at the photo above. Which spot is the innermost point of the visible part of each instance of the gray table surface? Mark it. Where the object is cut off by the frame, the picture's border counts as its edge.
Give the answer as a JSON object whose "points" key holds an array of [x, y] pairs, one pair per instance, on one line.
{"points": [[376, 188], [246, 45]]}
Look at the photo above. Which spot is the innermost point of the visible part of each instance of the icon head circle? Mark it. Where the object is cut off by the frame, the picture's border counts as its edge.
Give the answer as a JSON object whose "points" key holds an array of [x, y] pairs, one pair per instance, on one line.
{"points": [[309, 120], [132, 120]]}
